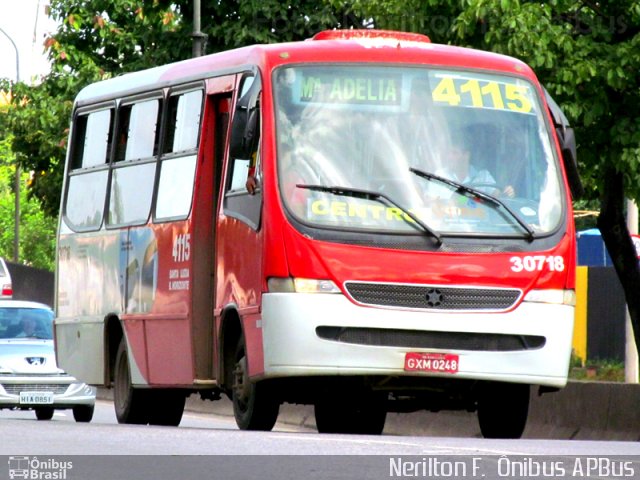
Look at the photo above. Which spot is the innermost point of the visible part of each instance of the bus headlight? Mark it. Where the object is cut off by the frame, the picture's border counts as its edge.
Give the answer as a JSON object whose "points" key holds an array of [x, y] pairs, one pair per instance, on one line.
{"points": [[301, 285], [559, 297]]}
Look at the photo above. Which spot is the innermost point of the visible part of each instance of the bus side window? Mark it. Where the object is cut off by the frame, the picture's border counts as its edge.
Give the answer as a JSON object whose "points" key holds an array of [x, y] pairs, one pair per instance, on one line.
{"points": [[179, 152], [138, 133], [245, 136], [88, 170], [244, 156], [138, 130]]}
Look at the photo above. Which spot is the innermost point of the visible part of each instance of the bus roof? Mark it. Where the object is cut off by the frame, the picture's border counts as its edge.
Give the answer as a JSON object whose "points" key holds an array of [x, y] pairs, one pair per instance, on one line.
{"points": [[350, 46]]}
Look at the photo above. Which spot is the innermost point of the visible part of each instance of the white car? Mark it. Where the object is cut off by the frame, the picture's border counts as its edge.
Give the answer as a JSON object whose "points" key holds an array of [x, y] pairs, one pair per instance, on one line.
{"points": [[6, 288], [29, 376]]}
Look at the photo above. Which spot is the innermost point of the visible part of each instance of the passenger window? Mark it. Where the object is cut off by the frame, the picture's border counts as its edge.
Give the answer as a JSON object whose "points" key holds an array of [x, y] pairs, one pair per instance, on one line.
{"points": [[178, 163], [176, 187], [85, 199], [131, 194], [138, 135], [92, 139], [84, 204], [183, 122], [138, 131]]}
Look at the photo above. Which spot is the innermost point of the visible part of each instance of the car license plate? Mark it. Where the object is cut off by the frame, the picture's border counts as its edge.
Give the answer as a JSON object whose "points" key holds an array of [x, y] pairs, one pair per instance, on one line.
{"points": [[36, 398], [431, 362]]}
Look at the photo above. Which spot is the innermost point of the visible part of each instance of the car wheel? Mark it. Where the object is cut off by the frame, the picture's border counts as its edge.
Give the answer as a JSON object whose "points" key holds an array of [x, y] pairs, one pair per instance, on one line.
{"points": [[130, 404], [44, 413], [83, 413]]}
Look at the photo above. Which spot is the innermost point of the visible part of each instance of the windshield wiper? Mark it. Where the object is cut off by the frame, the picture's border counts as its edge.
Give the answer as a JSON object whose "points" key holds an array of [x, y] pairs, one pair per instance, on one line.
{"points": [[530, 234], [375, 196]]}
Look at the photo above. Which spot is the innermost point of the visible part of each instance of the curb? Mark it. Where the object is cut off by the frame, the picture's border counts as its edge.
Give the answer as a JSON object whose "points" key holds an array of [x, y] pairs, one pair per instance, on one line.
{"points": [[583, 410]]}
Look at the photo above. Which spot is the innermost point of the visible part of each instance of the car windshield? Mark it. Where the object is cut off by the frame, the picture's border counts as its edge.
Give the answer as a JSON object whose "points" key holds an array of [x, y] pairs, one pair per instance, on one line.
{"points": [[26, 323], [375, 128]]}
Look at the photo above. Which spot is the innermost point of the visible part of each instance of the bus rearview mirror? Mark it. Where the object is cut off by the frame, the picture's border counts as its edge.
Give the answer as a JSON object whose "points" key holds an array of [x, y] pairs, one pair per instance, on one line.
{"points": [[246, 125], [567, 139]]}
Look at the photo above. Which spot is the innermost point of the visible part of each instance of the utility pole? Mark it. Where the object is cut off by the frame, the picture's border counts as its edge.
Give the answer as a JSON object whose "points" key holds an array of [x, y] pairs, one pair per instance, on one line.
{"points": [[16, 179], [630, 350], [199, 38]]}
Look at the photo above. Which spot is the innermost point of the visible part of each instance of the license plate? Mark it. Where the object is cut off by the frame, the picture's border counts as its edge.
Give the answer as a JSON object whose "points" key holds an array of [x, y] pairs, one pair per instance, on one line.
{"points": [[431, 362], [36, 398]]}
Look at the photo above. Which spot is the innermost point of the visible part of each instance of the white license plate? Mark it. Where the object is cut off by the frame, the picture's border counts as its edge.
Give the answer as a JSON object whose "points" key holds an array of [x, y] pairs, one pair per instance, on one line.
{"points": [[37, 398]]}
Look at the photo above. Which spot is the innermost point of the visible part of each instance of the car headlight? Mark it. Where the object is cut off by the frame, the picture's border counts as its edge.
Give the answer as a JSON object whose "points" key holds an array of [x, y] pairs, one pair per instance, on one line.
{"points": [[301, 285], [555, 296]]}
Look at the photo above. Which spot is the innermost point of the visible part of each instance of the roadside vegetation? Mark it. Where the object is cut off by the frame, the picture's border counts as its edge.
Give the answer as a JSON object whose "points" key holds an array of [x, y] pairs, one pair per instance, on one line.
{"points": [[37, 229], [596, 370]]}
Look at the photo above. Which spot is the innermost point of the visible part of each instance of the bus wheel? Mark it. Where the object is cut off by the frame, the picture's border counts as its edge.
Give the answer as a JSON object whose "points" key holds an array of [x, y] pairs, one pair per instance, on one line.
{"points": [[129, 403], [366, 417], [44, 413], [167, 407], [254, 405], [83, 413], [503, 409]]}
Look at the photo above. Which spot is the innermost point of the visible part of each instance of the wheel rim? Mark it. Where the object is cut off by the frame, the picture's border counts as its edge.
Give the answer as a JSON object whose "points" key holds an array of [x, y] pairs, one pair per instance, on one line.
{"points": [[241, 384]]}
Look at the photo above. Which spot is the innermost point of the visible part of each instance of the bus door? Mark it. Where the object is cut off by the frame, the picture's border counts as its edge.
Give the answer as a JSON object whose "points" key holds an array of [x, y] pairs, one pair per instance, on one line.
{"points": [[215, 126]]}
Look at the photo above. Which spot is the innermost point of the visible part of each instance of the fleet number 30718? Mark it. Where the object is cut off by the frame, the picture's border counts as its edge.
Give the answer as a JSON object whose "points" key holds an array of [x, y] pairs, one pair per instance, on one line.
{"points": [[533, 263]]}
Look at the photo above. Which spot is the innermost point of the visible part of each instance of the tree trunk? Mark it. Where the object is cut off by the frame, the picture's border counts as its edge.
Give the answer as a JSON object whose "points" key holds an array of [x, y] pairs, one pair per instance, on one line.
{"points": [[613, 226]]}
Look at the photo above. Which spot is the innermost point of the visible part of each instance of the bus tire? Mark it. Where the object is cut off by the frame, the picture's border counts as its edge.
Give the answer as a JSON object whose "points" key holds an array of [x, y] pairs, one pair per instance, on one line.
{"points": [[44, 413], [130, 403], [254, 404], [167, 407], [83, 413], [503, 409], [366, 417]]}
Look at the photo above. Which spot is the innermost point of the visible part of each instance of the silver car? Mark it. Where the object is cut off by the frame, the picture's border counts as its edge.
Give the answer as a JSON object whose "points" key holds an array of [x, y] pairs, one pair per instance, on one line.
{"points": [[29, 376]]}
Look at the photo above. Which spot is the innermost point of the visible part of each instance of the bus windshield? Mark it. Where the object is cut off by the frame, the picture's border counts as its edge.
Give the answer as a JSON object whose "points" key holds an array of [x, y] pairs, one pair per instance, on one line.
{"points": [[397, 131]]}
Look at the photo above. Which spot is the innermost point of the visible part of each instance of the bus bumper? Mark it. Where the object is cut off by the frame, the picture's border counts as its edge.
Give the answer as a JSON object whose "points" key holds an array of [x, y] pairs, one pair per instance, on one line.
{"points": [[292, 347]]}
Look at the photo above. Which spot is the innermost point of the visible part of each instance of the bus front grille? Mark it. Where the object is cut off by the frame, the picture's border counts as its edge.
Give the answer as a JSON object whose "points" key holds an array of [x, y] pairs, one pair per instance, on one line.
{"points": [[431, 297], [382, 337]]}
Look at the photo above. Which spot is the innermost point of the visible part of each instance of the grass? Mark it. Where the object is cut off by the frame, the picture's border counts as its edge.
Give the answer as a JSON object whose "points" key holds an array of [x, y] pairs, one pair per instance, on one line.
{"points": [[596, 370]]}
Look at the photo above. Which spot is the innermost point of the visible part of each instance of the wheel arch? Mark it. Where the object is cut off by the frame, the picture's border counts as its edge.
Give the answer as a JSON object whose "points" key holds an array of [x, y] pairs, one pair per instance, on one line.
{"points": [[114, 333], [230, 332]]}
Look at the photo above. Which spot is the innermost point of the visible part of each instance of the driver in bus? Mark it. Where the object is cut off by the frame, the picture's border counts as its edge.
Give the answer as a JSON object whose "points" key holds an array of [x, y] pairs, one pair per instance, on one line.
{"points": [[458, 167]]}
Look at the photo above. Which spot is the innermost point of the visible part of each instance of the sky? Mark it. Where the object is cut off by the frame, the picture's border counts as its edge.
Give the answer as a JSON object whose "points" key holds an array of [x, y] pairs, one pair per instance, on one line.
{"points": [[26, 22]]}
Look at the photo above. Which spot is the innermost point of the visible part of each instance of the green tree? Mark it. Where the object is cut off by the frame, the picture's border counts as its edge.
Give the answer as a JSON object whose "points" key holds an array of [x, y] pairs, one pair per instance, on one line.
{"points": [[98, 39], [37, 230]]}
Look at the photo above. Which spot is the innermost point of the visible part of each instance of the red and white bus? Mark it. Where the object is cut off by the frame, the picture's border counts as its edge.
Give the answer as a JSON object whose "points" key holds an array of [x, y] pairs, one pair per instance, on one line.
{"points": [[365, 222]]}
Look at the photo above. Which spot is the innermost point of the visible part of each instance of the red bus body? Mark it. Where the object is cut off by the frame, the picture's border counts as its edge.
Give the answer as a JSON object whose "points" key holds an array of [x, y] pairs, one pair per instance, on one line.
{"points": [[184, 303]]}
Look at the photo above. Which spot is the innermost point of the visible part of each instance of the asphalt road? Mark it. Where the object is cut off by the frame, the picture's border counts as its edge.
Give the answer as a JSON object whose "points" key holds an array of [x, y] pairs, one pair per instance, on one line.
{"points": [[211, 447]]}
